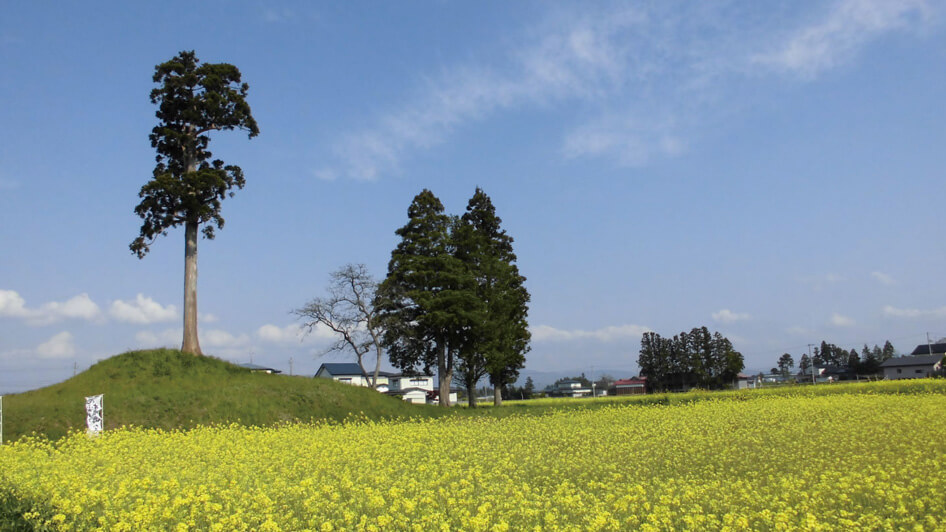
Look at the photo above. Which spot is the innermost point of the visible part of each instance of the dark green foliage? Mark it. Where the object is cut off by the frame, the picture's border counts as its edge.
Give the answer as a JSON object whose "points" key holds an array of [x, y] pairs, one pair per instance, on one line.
{"points": [[785, 364], [501, 337], [453, 297], [427, 303], [13, 506], [187, 186], [887, 352], [804, 363], [694, 359]]}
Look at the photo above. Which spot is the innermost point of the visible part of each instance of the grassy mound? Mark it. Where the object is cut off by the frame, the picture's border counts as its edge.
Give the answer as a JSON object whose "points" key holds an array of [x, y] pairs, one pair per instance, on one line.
{"points": [[168, 389]]}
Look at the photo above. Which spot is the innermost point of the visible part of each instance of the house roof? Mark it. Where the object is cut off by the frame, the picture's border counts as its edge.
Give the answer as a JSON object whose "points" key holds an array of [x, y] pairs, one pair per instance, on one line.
{"points": [[629, 382], [341, 368], [912, 360], [255, 367], [924, 349]]}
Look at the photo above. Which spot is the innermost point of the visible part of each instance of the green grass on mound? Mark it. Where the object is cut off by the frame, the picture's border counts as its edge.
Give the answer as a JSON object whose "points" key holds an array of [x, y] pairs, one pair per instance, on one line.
{"points": [[168, 389]]}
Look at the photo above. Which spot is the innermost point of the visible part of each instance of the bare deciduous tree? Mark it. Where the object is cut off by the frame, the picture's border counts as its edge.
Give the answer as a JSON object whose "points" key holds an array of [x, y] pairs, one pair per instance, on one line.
{"points": [[348, 311]]}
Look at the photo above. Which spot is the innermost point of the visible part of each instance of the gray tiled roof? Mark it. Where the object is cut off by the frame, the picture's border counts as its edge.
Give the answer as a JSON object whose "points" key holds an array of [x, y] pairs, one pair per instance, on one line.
{"points": [[924, 349], [340, 368], [912, 360]]}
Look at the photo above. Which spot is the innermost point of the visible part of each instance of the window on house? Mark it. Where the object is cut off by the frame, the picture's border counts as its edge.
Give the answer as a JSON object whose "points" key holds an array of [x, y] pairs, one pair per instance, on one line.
{"points": [[345, 379], [418, 382], [919, 371], [899, 370]]}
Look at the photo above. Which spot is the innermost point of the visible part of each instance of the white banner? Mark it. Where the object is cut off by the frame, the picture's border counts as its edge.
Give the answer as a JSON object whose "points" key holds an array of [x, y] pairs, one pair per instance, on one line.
{"points": [[93, 411]]}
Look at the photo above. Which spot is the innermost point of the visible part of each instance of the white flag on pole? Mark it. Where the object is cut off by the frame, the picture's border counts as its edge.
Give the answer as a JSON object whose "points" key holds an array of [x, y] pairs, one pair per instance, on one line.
{"points": [[93, 411]]}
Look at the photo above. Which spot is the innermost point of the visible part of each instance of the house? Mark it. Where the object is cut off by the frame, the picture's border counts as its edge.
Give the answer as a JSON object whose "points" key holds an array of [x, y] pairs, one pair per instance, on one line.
{"points": [[411, 388], [741, 382], [254, 368], [344, 372], [350, 373], [569, 388], [632, 386], [913, 366], [930, 349]]}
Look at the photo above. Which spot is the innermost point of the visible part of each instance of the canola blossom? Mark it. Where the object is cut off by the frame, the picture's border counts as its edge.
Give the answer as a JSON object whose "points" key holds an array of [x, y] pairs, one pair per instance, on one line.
{"points": [[839, 462]]}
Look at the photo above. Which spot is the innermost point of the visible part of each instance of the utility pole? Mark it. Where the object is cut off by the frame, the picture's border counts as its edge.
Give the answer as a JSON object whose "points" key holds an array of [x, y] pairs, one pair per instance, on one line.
{"points": [[929, 344], [75, 368], [812, 364], [290, 366]]}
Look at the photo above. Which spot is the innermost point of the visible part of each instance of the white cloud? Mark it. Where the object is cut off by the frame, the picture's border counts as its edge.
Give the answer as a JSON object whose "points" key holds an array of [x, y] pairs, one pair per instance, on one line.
{"points": [[143, 310], [799, 331], [883, 278], [841, 321], [80, 307], [848, 26], [894, 312], [278, 335], [293, 333], [639, 80], [207, 318], [59, 346], [12, 305], [165, 338], [545, 333], [221, 338], [728, 316]]}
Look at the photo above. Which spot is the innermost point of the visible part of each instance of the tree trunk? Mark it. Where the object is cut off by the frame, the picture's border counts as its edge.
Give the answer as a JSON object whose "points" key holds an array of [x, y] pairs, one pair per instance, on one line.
{"points": [[445, 371], [190, 345], [497, 395], [471, 394]]}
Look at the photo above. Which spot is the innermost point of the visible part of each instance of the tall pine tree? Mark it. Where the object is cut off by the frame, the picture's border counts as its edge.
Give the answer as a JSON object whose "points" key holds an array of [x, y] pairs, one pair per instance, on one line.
{"points": [[501, 336], [428, 301]]}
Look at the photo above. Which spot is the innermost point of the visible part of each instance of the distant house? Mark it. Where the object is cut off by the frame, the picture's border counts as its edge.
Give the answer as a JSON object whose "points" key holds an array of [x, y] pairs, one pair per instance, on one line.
{"points": [[412, 388], [741, 382], [913, 366], [632, 386], [569, 388], [344, 372], [259, 369]]}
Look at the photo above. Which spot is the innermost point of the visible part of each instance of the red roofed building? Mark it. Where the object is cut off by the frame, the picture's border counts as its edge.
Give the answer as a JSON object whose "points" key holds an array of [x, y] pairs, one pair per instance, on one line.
{"points": [[632, 386]]}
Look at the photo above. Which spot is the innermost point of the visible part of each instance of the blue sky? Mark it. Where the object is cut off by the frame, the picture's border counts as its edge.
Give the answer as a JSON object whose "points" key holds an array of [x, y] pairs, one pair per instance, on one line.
{"points": [[771, 170]]}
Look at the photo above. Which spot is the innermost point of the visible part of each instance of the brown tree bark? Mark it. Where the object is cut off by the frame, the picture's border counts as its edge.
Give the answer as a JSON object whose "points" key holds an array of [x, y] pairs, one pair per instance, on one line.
{"points": [[445, 368], [190, 345], [497, 395]]}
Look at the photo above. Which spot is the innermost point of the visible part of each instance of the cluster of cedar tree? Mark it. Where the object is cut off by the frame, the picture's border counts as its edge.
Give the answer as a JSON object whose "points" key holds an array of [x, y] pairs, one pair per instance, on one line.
{"points": [[453, 297], [695, 359]]}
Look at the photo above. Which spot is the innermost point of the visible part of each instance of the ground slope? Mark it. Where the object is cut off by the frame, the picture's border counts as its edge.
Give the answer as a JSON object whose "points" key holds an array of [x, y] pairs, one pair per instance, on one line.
{"points": [[168, 389]]}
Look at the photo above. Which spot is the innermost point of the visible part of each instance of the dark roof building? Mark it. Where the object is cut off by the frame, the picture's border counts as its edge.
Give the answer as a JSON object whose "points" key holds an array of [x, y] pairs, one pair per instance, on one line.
{"points": [[924, 349], [334, 369], [258, 368], [913, 366]]}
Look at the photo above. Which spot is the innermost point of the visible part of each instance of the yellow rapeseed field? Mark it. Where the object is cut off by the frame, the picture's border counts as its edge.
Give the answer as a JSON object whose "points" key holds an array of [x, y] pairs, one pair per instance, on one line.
{"points": [[839, 462]]}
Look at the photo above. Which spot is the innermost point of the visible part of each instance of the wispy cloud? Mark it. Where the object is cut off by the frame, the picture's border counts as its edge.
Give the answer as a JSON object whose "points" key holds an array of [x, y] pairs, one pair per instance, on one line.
{"points": [[728, 316], [894, 312], [845, 28], [838, 320], [545, 333], [639, 80], [883, 278]]}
